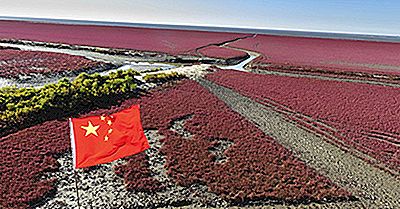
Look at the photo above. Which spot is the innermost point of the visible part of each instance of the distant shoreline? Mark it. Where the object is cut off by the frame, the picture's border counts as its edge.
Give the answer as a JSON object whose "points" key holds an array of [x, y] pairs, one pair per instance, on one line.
{"points": [[293, 33]]}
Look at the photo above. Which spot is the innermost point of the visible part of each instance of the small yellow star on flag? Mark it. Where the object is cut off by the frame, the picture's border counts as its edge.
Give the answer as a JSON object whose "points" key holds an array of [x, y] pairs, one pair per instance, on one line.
{"points": [[109, 122], [102, 117], [90, 129], [106, 138]]}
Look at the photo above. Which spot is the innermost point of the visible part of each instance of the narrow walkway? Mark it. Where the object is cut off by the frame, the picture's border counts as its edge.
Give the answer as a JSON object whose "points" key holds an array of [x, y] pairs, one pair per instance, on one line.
{"points": [[374, 188]]}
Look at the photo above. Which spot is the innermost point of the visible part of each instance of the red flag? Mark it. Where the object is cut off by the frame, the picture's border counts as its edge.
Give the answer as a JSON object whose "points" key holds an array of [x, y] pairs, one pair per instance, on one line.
{"points": [[102, 139]]}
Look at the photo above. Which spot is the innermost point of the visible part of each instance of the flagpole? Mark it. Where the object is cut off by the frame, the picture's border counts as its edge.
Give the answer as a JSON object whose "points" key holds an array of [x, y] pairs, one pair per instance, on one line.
{"points": [[72, 137], [76, 187]]}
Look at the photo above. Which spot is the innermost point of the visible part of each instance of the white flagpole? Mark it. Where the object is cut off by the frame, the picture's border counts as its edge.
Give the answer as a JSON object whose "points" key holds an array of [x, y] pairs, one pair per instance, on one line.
{"points": [[73, 160], [76, 187]]}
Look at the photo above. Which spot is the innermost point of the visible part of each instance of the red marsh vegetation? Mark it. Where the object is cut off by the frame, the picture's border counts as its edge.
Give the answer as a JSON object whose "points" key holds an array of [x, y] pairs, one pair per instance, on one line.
{"points": [[362, 116], [223, 53], [256, 166], [340, 55], [145, 39], [18, 62]]}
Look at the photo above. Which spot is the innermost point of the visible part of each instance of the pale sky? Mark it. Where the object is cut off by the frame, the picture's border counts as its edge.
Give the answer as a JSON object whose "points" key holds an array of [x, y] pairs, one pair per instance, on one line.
{"points": [[354, 16]]}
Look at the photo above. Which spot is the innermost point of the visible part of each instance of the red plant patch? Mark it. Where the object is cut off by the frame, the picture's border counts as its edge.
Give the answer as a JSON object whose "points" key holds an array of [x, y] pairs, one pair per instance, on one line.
{"points": [[29, 153], [222, 53], [365, 117], [256, 167], [17, 62], [137, 174], [339, 55], [145, 39], [26, 155]]}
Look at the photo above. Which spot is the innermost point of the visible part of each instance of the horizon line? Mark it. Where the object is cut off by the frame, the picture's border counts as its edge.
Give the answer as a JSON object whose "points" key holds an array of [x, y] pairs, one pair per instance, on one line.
{"points": [[219, 28]]}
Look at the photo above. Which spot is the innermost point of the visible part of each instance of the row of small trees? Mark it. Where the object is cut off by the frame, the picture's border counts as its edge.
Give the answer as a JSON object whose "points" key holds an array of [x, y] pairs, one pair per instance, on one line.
{"points": [[27, 106], [162, 77]]}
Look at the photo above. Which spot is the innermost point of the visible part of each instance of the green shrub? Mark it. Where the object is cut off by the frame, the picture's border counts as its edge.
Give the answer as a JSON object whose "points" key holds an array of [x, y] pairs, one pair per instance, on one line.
{"points": [[152, 70], [21, 107], [162, 77]]}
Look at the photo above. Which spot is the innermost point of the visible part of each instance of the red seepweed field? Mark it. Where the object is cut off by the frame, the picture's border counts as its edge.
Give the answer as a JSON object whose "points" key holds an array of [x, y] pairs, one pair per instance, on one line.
{"points": [[253, 169], [363, 116], [256, 167], [18, 62], [145, 39], [218, 52], [289, 131], [328, 54]]}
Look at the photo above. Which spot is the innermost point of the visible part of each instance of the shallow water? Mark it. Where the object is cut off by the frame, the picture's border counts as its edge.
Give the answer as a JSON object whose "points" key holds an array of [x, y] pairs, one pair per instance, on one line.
{"points": [[241, 66]]}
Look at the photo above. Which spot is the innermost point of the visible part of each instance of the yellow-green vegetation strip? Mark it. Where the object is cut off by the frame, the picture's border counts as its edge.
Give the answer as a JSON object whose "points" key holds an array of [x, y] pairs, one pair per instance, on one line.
{"points": [[162, 77], [22, 107], [151, 70]]}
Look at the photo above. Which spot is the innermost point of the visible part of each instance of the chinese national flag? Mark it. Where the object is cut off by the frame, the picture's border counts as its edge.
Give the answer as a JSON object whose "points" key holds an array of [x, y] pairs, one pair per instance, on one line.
{"points": [[105, 138]]}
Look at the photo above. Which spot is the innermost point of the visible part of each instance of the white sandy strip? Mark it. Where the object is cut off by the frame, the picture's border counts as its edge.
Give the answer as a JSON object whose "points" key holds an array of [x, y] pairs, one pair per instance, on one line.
{"points": [[193, 71]]}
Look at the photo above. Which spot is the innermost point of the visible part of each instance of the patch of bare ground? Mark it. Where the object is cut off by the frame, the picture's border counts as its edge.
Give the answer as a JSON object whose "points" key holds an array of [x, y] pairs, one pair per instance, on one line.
{"points": [[178, 125], [373, 187]]}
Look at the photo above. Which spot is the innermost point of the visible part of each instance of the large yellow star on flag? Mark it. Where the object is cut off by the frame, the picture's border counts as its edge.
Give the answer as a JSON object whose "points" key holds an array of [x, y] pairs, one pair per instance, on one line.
{"points": [[90, 129]]}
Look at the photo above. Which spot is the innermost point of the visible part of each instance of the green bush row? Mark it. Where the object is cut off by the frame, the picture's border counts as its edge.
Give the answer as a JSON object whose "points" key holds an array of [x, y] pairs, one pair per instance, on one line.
{"points": [[162, 77], [152, 70], [26, 106]]}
